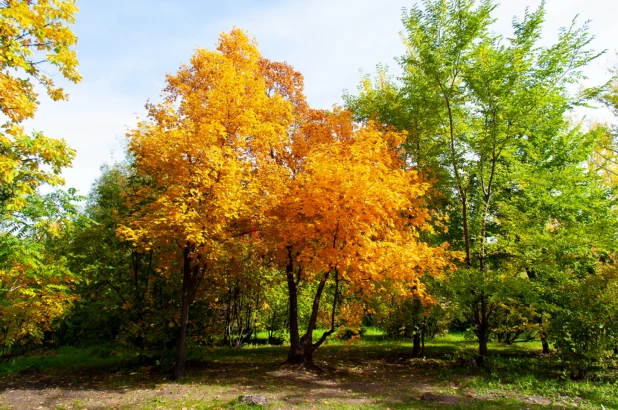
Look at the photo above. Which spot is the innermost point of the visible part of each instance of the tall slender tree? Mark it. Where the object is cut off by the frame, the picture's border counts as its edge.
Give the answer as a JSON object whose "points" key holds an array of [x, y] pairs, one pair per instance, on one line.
{"points": [[475, 103]]}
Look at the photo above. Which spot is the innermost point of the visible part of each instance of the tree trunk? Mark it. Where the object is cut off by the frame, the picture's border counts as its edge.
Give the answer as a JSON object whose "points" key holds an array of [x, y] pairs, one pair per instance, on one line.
{"points": [[307, 340], [295, 354], [179, 369], [482, 346], [227, 333], [482, 324], [189, 285], [416, 344], [418, 327], [308, 350], [423, 333], [301, 349], [545, 344], [543, 335]]}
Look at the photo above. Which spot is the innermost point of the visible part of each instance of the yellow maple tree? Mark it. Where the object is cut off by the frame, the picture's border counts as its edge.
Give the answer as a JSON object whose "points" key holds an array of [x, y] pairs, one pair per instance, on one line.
{"points": [[205, 157], [32, 33]]}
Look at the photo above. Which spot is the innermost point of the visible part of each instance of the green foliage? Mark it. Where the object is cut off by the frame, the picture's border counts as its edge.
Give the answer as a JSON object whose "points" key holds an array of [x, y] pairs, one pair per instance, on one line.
{"points": [[486, 117], [63, 358], [36, 285], [525, 196], [122, 296], [584, 328], [407, 318]]}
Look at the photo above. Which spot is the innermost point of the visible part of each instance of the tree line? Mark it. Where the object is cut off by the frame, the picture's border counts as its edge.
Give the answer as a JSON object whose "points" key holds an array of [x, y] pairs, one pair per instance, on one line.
{"points": [[459, 195]]}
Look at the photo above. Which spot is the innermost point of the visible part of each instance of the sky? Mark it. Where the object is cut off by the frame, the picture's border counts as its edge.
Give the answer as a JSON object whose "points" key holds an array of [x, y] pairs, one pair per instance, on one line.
{"points": [[127, 46]]}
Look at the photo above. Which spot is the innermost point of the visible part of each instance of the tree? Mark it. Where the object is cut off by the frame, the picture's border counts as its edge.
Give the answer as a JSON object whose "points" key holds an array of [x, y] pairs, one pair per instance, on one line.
{"points": [[122, 298], [204, 154], [32, 32], [604, 159], [584, 328], [36, 286], [350, 214], [417, 318], [477, 101]]}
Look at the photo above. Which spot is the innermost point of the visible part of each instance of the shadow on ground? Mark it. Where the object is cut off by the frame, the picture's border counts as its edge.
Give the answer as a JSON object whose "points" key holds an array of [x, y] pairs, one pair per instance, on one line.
{"points": [[361, 376]]}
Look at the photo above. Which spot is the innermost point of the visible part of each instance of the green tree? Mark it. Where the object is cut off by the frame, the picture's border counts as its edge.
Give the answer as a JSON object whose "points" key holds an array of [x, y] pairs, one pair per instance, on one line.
{"points": [[584, 326], [122, 297], [36, 285], [476, 105]]}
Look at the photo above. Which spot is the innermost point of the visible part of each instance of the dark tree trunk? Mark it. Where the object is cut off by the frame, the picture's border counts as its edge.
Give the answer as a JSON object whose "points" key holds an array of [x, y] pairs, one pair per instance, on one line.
{"points": [[295, 354], [302, 348], [228, 319], [483, 346], [308, 350], [419, 319], [190, 281], [306, 340], [423, 333], [545, 344], [543, 335], [481, 316], [179, 369], [416, 344]]}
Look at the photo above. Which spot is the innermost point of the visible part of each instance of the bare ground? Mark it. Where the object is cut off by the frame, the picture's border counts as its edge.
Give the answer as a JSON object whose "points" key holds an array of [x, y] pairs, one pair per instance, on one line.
{"points": [[351, 382]]}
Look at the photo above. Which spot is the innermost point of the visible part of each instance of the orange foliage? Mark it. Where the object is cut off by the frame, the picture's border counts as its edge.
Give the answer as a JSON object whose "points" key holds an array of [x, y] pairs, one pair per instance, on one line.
{"points": [[348, 209], [235, 149], [351, 204], [205, 157]]}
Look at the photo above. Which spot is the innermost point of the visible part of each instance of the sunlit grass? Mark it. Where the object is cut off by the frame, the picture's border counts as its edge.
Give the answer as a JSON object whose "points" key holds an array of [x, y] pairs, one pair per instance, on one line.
{"points": [[66, 357], [511, 371]]}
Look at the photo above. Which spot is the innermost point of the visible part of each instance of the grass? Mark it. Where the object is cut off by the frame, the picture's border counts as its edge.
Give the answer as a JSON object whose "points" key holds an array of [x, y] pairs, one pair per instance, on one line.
{"points": [[66, 357], [373, 373]]}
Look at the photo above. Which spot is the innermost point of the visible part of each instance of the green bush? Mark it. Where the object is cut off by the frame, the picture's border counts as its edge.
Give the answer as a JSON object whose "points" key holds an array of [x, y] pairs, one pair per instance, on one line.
{"points": [[585, 328]]}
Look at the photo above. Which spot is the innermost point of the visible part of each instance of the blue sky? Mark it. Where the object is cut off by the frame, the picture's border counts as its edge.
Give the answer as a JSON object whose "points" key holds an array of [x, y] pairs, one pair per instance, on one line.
{"points": [[127, 46]]}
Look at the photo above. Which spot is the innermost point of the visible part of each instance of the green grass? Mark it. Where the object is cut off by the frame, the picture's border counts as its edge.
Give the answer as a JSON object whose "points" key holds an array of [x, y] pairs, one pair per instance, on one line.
{"points": [[379, 371], [62, 358]]}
